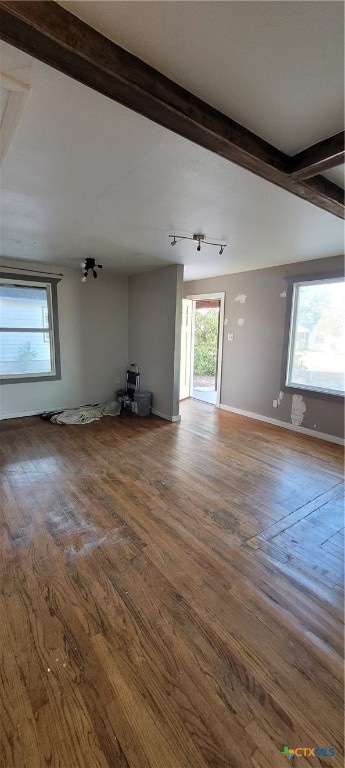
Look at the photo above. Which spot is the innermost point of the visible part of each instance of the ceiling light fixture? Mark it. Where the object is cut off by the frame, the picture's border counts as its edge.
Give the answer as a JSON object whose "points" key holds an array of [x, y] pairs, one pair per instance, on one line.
{"points": [[199, 239], [89, 264]]}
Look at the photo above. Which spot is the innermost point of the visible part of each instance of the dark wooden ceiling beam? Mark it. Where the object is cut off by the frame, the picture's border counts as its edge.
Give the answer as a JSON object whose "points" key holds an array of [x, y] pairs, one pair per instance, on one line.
{"points": [[48, 32], [319, 158]]}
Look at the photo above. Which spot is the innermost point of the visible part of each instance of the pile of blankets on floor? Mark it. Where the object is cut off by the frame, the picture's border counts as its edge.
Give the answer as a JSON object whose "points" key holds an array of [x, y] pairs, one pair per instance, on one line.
{"points": [[83, 415]]}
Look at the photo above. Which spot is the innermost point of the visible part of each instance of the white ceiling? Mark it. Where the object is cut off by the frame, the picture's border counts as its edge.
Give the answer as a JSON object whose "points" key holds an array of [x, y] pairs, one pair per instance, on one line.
{"points": [[84, 176], [275, 67]]}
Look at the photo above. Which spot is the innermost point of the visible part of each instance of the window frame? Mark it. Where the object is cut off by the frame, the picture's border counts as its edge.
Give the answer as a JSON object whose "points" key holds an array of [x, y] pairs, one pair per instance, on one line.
{"points": [[290, 316], [50, 283], [45, 333]]}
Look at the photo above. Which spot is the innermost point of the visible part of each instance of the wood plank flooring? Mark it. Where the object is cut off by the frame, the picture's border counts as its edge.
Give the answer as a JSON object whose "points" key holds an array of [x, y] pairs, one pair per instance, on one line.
{"points": [[170, 594]]}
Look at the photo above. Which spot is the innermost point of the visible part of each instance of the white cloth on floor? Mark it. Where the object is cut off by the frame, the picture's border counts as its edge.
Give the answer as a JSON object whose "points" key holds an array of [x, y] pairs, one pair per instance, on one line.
{"points": [[112, 408], [87, 413]]}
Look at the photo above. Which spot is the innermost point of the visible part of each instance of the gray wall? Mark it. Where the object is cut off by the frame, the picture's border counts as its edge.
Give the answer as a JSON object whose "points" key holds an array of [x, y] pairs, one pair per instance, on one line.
{"points": [[93, 320], [154, 334], [252, 361]]}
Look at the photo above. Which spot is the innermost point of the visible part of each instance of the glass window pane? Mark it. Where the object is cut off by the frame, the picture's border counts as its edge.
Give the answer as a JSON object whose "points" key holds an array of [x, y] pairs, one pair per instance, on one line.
{"points": [[317, 353], [24, 353], [23, 307]]}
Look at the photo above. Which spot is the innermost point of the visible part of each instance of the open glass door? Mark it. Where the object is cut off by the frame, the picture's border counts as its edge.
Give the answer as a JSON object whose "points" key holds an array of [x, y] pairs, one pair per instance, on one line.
{"points": [[202, 347], [205, 349]]}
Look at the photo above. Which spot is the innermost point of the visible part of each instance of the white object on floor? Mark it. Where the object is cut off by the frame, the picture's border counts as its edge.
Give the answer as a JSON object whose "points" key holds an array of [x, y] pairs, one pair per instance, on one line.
{"points": [[111, 408], [87, 413]]}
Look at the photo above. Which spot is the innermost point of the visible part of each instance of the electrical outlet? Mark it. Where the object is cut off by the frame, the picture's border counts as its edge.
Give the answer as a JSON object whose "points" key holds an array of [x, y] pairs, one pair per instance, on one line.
{"points": [[275, 403], [230, 336]]}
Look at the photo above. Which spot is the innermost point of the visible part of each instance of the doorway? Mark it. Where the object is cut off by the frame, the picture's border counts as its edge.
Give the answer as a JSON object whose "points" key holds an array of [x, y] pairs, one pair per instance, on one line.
{"points": [[201, 347]]}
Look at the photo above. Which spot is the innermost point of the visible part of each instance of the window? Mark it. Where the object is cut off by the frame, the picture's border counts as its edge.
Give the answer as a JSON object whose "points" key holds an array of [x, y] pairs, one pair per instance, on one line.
{"points": [[315, 351], [29, 343]]}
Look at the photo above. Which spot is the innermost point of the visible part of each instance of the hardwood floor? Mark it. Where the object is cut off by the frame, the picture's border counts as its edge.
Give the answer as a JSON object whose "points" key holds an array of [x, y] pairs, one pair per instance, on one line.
{"points": [[170, 594]]}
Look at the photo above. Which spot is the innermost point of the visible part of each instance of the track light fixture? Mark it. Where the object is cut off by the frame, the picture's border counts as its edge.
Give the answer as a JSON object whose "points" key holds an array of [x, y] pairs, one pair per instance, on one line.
{"points": [[199, 239], [89, 264]]}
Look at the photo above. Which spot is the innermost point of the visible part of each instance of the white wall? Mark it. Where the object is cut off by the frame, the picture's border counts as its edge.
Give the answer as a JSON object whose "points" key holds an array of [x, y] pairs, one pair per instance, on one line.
{"points": [[154, 341], [93, 321]]}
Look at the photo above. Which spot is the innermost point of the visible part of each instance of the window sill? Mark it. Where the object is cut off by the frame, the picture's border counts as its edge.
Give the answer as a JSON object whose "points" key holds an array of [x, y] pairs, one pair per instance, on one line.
{"points": [[317, 393], [29, 379]]}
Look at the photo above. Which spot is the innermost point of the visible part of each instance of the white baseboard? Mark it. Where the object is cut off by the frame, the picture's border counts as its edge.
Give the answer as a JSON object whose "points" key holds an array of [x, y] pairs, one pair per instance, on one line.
{"points": [[239, 411], [285, 425], [19, 414], [165, 415]]}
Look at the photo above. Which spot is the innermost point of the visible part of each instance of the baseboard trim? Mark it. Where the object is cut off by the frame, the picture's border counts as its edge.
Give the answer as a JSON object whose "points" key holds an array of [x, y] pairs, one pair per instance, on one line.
{"points": [[284, 424], [19, 414], [165, 416], [22, 414]]}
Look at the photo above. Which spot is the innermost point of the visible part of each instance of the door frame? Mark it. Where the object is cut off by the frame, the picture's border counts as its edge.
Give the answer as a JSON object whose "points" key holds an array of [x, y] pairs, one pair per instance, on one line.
{"points": [[186, 357], [199, 297]]}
